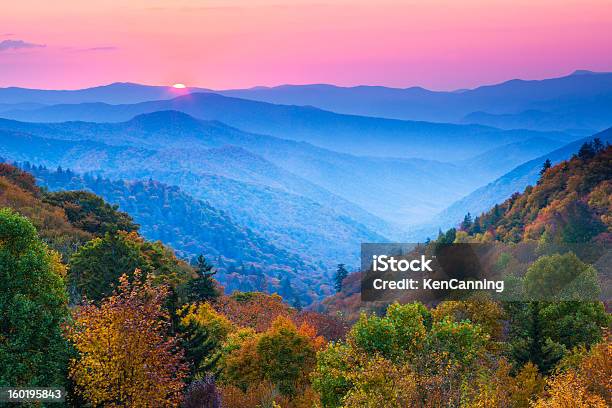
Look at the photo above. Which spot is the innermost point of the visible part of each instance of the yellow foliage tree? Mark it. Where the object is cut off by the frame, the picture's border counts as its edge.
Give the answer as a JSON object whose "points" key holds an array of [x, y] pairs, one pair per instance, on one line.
{"points": [[126, 358], [485, 312], [569, 389], [499, 389], [382, 384], [205, 316]]}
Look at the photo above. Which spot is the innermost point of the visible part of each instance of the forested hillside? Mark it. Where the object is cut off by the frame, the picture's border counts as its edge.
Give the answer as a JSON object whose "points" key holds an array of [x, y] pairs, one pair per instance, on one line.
{"points": [[244, 185], [571, 202], [120, 320], [244, 260], [109, 294], [502, 188]]}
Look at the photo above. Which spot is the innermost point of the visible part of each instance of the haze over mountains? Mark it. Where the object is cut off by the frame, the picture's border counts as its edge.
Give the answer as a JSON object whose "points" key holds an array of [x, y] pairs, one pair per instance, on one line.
{"points": [[394, 190], [358, 135], [361, 164], [580, 102], [118, 92], [501, 188], [583, 99]]}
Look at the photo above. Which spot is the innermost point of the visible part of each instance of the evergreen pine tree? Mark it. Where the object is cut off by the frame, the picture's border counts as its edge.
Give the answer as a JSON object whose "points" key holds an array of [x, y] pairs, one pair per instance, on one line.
{"points": [[200, 350], [476, 226], [341, 274], [203, 287], [547, 165], [597, 145], [467, 222], [586, 151]]}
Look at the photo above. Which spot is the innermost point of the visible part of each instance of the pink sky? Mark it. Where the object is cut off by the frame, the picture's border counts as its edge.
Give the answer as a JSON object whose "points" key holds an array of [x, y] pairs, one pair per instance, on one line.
{"points": [[438, 44]]}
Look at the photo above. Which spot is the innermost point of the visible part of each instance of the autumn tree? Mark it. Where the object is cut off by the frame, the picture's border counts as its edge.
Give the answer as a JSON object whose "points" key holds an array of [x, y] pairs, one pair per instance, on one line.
{"points": [[288, 354], [569, 389], [488, 314], [331, 327], [202, 393], [33, 307], [496, 387], [382, 384], [284, 355], [253, 309], [406, 342], [126, 357]]}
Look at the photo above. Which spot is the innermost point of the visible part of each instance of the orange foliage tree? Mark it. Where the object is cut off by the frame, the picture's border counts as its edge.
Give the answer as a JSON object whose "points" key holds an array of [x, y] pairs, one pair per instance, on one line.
{"points": [[284, 355], [125, 356], [253, 309]]}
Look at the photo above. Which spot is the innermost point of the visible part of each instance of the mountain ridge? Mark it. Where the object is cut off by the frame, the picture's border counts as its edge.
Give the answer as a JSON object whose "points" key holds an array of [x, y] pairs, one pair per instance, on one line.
{"points": [[357, 135]]}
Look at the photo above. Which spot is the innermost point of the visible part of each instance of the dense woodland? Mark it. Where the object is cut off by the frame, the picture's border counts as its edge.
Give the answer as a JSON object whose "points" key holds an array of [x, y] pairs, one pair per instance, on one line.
{"points": [[121, 320], [244, 260]]}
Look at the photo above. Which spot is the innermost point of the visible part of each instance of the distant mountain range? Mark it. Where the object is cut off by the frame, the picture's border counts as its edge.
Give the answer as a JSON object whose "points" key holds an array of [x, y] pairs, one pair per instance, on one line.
{"points": [[580, 102], [179, 149], [119, 92], [357, 135], [290, 221]]}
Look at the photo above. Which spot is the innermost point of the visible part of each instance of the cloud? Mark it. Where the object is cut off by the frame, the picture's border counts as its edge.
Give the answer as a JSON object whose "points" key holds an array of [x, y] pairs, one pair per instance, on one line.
{"points": [[7, 45], [108, 48]]}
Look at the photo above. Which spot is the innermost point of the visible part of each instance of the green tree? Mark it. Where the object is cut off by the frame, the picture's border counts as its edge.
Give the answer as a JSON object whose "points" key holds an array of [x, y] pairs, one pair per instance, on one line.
{"points": [[202, 331], [447, 238], [586, 151], [91, 213], [467, 222], [547, 165], [543, 332], [341, 274], [561, 277], [406, 341], [203, 287], [33, 307], [331, 377], [96, 267]]}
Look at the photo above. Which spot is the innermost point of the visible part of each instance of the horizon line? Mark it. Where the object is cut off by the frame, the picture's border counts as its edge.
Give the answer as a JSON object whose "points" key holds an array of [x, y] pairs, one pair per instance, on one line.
{"points": [[575, 72]]}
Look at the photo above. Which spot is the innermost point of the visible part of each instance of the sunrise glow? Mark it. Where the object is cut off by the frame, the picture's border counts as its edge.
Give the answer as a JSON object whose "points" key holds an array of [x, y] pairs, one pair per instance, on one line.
{"points": [[220, 44], [179, 86]]}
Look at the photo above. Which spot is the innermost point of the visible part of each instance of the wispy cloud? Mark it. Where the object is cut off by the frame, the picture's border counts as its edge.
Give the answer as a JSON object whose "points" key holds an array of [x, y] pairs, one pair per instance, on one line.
{"points": [[8, 45], [89, 49], [108, 48]]}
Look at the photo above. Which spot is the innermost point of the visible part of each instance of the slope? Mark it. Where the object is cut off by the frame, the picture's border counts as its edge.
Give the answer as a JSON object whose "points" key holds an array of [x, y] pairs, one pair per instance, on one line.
{"points": [[293, 222], [358, 135], [370, 183], [502, 188]]}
